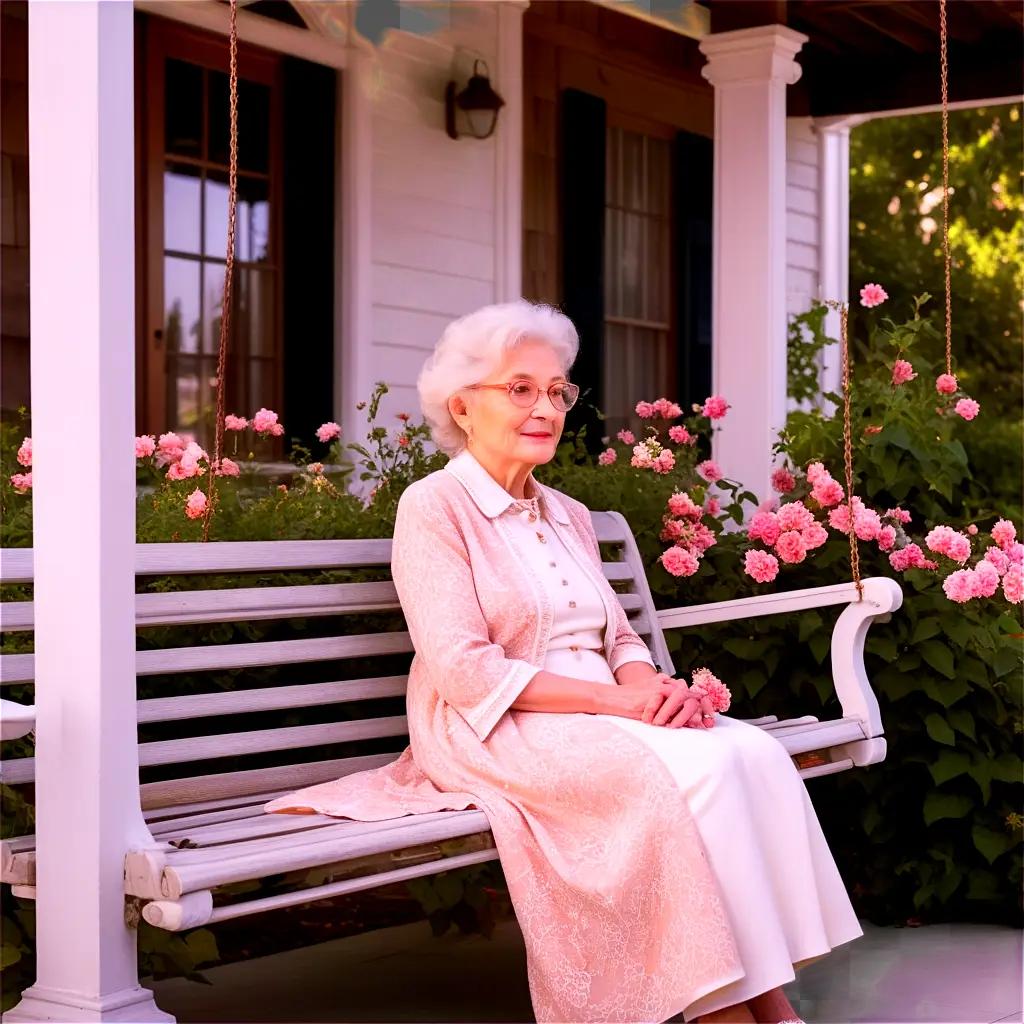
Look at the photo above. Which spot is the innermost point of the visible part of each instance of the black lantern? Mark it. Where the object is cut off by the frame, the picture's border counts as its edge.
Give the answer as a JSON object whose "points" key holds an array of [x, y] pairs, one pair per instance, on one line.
{"points": [[479, 101]]}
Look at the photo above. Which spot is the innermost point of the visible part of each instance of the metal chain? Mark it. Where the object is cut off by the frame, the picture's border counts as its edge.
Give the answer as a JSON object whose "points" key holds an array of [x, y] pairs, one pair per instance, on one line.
{"points": [[229, 267], [844, 345], [944, 71]]}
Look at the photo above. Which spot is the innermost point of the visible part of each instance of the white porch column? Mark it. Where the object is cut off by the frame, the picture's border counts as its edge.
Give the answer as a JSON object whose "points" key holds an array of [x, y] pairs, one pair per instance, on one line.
{"points": [[81, 186], [508, 153], [750, 69]]}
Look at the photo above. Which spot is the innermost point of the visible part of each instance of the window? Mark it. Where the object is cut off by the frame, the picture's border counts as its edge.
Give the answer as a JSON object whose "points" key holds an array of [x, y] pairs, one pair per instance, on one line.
{"points": [[638, 349], [186, 107]]}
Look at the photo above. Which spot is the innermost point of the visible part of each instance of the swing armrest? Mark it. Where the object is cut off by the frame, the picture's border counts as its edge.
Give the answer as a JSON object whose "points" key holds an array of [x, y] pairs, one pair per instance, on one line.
{"points": [[16, 720], [882, 596]]}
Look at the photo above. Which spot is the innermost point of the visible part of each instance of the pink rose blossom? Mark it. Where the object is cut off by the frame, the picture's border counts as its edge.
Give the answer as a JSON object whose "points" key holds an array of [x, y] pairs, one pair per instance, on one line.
{"points": [[761, 566], [816, 471], [839, 517], [709, 470], [972, 530], [898, 514], [769, 504], [145, 445], [886, 538], [706, 684], [232, 422], [1004, 533], [712, 506], [783, 481], [910, 557], [872, 295], [946, 384], [681, 435], [715, 407], [1013, 584], [827, 492], [867, 524], [968, 408], [679, 562], [403, 416], [265, 422], [794, 516], [998, 559], [227, 468], [627, 436], [666, 409], [814, 536], [1015, 553], [24, 455], [702, 538], [21, 482], [764, 527], [328, 431], [790, 547], [169, 448], [645, 410], [403, 440], [607, 457], [944, 540], [959, 586], [642, 458], [672, 530], [665, 462], [195, 507], [902, 371], [681, 504], [986, 579]]}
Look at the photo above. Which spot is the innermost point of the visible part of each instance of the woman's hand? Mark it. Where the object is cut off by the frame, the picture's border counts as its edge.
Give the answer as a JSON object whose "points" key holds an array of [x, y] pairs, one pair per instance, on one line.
{"points": [[658, 700]]}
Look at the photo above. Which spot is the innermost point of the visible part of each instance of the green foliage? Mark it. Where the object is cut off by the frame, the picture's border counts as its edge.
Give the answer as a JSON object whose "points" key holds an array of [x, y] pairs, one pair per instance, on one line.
{"points": [[896, 235]]}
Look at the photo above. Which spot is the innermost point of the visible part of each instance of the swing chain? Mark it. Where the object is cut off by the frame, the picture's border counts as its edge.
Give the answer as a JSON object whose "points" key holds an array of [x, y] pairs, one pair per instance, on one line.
{"points": [[229, 266], [944, 73]]}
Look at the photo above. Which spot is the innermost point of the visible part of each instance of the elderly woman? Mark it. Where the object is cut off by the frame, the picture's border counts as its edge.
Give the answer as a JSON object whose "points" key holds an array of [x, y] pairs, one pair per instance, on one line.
{"points": [[660, 859]]}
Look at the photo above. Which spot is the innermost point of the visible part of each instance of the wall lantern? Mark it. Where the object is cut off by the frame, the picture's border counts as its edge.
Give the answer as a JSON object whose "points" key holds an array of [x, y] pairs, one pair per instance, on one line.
{"points": [[479, 101]]}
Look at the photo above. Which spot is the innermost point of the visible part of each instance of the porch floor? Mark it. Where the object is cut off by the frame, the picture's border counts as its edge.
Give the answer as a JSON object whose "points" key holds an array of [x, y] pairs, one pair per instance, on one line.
{"points": [[953, 974]]}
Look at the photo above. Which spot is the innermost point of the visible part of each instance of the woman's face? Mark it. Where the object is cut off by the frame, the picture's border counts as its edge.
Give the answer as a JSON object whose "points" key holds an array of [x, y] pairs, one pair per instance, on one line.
{"points": [[504, 431]]}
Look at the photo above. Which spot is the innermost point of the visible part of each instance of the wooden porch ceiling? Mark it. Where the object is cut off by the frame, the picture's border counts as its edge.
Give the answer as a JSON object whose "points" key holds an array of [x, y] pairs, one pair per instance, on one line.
{"points": [[872, 55]]}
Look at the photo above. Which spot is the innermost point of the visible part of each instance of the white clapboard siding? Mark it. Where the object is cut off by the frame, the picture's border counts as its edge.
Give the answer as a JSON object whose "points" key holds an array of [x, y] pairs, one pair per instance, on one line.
{"points": [[803, 216]]}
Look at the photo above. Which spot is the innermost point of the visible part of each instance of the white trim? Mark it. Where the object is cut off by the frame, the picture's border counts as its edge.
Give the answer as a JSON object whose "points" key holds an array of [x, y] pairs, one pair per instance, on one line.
{"points": [[353, 248], [692, 20], [834, 244], [252, 28], [508, 155], [852, 120]]}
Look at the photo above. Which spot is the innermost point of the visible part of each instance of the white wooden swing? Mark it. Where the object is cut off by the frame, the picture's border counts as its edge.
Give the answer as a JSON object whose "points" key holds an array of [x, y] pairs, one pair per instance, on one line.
{"points": [[207, 830]]}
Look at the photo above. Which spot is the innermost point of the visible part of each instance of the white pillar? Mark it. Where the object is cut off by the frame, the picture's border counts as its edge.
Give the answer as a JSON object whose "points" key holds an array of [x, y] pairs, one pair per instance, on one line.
{"points": [[750, 69], [508, 153], [81, 193], [834, 189]]}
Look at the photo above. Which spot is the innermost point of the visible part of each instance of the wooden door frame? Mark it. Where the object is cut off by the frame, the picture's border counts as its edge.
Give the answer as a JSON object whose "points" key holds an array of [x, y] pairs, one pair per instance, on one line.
{"points": [[156, 40]]}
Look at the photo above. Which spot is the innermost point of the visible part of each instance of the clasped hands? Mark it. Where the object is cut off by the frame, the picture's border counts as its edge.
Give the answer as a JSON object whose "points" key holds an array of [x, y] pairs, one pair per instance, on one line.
{"points": [[669, 704]]}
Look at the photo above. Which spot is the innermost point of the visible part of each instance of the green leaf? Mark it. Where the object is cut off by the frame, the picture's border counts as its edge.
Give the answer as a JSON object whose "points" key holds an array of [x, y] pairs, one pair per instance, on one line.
{"points": [[948, 765], [870, 817], [939, 730], [945, 805], [810, 623], [1008, 767], [202, 944], [945, 691], [884, 646], [939, 656], [990, 843], [982, 885], [820, 644], [925, 630], [9, 955], [963, 721], [749, 650], [1007, 658]]}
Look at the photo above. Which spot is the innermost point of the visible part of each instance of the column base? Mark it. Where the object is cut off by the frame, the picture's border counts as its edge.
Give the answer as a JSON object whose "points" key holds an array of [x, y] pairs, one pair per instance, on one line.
{"points": [[135, 1005]]}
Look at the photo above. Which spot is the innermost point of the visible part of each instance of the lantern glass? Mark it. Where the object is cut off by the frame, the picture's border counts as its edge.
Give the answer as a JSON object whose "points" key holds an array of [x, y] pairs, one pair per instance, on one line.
{"points": [[481, 122]]}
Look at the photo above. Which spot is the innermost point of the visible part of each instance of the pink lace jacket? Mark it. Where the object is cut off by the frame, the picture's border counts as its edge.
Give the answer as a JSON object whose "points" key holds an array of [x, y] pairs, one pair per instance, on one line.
{"points": [[620, 912]]}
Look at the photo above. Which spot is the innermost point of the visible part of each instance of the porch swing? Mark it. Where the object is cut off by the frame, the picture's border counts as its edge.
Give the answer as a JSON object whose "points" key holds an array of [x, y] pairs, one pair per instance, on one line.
{"points": [[209, 829]]}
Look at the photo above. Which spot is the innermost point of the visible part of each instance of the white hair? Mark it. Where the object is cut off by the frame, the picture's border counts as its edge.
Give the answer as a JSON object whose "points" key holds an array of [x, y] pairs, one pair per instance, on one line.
{"points": [[474, 346]]}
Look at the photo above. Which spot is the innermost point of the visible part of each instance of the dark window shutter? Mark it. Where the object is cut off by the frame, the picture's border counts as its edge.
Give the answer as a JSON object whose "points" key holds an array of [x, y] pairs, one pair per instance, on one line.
{"points": [[307, 249], [692, 187], [582, 201]]}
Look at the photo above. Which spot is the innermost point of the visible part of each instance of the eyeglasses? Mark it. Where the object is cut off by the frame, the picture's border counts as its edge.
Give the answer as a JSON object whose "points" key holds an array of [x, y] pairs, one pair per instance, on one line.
{"points": [[524, 393]]}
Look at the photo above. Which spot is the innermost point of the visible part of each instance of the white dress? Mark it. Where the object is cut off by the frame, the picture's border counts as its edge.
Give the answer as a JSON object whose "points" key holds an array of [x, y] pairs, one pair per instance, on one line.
{"points": [[786, 900]]}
